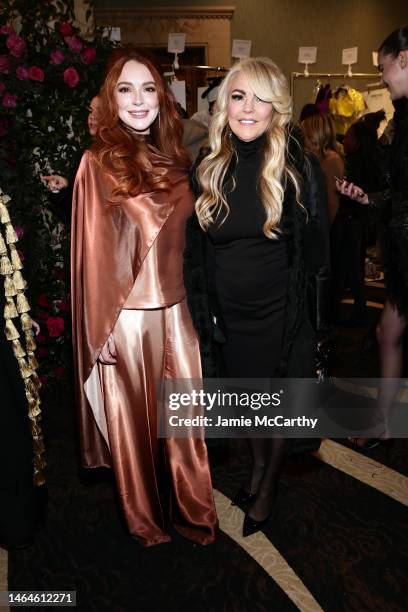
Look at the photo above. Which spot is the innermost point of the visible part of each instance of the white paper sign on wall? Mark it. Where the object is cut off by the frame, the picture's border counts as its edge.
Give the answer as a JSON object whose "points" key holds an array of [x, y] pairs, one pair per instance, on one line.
{"points": [[307, 55], [176, 42], [349, 56], [241, 48]]}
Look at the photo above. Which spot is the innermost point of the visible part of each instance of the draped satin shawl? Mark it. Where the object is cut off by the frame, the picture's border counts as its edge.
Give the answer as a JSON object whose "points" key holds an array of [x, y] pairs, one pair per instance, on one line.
{"points": [[108, 246]]}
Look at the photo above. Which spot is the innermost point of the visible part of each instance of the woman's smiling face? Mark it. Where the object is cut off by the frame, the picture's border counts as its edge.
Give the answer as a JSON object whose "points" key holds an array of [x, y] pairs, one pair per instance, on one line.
{"points": [[248, 115], [136, 97]]}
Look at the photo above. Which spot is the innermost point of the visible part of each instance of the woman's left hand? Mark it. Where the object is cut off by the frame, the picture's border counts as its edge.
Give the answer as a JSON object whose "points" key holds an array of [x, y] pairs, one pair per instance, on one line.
{"points": [[36, 327], [351, 191], [54, 182]]}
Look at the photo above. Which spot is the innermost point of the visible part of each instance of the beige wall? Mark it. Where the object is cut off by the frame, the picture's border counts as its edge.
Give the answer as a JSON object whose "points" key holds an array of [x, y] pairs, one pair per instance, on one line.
{"points": [[278, 27]]}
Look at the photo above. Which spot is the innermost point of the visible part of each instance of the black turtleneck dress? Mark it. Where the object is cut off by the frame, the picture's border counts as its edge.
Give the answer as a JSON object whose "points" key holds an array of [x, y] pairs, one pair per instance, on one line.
{"points": [[251, 274]]}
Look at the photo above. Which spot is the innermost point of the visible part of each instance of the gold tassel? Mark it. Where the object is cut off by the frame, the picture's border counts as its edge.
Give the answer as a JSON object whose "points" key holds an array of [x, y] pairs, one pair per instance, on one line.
{"points": [[18, 349], [3, 248], [11, 236], [36, 380], [10, 310], [33, 406], [10, 330], [31, 387], [38, 477], [5, 266], [4, 214], [39, 445], [15, 258], [30, 342], [26, 321], [32, 360], [24, 369], [36, 428], [19, 281], [22, 303], [9, 288]]}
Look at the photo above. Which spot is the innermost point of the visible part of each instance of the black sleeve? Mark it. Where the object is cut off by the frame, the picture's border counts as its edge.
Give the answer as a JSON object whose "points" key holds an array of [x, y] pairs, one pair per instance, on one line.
{"points": [[195, 272], [317, 244]]}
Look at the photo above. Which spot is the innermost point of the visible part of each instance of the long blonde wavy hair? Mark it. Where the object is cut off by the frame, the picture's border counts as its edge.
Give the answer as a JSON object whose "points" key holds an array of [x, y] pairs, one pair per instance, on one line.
{"points": [[269, 84]]}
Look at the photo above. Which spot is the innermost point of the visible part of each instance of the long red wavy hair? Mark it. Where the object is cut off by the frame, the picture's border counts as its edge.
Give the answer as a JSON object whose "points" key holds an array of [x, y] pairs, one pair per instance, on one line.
{"points": [[123, 154]]}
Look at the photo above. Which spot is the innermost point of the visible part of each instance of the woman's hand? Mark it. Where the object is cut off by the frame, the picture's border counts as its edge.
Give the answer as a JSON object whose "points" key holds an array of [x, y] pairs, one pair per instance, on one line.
{"points": [[108, 352], [36, 327], [351, 191], [54, 182]]}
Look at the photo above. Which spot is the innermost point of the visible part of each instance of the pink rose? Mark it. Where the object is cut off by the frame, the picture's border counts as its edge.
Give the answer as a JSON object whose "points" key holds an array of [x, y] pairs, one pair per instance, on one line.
{"points": [[59, 371], [88, 55], [9, 100], [63, 305], [22, 73], [16, 45], [66, 28], [74, 43], [2, 88], [57, 57], [36, 74], [55, 326], [44, 301], [6, 30], [4, 64], [71, 77]]}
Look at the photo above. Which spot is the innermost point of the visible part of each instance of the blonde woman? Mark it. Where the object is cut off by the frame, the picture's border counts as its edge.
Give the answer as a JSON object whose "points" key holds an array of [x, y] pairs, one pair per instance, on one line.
{"points": [[245, 269], [320, 137]]}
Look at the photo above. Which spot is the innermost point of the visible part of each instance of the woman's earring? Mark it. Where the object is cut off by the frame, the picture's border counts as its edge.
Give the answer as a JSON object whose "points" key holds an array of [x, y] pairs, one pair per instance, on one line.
{"points": [[158, 114]]}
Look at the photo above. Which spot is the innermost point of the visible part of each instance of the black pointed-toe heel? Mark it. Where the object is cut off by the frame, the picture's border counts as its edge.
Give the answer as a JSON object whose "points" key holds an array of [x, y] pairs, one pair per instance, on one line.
{"points": [[242, 497], [251, 526]]}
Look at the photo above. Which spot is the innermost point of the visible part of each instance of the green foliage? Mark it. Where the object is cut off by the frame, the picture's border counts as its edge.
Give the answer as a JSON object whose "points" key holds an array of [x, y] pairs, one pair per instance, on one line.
{"points": [[48, 75]]}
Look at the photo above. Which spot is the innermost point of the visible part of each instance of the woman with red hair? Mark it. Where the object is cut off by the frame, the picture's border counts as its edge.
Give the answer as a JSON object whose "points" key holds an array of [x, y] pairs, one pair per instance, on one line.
{"points": [[131, 324]]}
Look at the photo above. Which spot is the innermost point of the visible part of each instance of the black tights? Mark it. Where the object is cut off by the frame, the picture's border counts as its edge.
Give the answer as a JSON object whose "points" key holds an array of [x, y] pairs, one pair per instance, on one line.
{"points": [[267, 455]]}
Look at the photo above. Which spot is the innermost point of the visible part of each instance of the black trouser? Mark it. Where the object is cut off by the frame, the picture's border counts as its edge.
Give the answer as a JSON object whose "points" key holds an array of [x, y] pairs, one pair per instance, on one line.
{"points": [[346, 237]]}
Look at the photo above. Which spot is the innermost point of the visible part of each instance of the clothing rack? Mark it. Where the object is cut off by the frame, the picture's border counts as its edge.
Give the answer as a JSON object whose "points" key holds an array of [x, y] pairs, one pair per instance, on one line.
{"points": [[330, 75]]}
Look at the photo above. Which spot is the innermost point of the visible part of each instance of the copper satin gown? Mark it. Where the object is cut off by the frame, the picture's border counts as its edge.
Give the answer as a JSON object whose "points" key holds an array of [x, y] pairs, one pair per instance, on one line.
{"points": [[127, 281]]}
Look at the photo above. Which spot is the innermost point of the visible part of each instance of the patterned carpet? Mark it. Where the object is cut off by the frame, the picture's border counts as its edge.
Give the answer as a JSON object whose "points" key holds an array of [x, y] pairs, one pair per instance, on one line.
{"points": [[338, 539]]}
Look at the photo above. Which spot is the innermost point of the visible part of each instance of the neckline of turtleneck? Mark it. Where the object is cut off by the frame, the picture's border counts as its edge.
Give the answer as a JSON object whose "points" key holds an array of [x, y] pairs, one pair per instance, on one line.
{"points": [[248, 148]]}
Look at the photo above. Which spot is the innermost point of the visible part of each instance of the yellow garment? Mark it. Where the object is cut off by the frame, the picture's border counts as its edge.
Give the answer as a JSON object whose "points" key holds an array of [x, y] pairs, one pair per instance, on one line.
{"points": [[345, 107]]}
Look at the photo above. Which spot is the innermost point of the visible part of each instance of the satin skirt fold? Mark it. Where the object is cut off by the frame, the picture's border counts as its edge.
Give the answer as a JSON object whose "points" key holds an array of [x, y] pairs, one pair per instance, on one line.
{"points": [[157, 478]]}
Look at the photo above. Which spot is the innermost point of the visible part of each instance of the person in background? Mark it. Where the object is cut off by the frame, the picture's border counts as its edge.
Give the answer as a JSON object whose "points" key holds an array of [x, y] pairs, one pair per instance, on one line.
{"points": [[320, 138], [210, 94], [393, 64], [22, 503], [309, 110], [60, 186], [131, 325], [365, 166]]}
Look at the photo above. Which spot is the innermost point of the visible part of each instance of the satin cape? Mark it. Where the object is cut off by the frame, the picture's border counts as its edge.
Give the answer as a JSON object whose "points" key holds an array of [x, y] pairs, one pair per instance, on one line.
{"points": [[113, 248]]}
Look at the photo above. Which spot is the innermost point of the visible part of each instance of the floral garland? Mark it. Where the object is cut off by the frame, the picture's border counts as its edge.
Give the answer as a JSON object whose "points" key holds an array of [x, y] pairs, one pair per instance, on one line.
{"points": [[17, 307]]}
